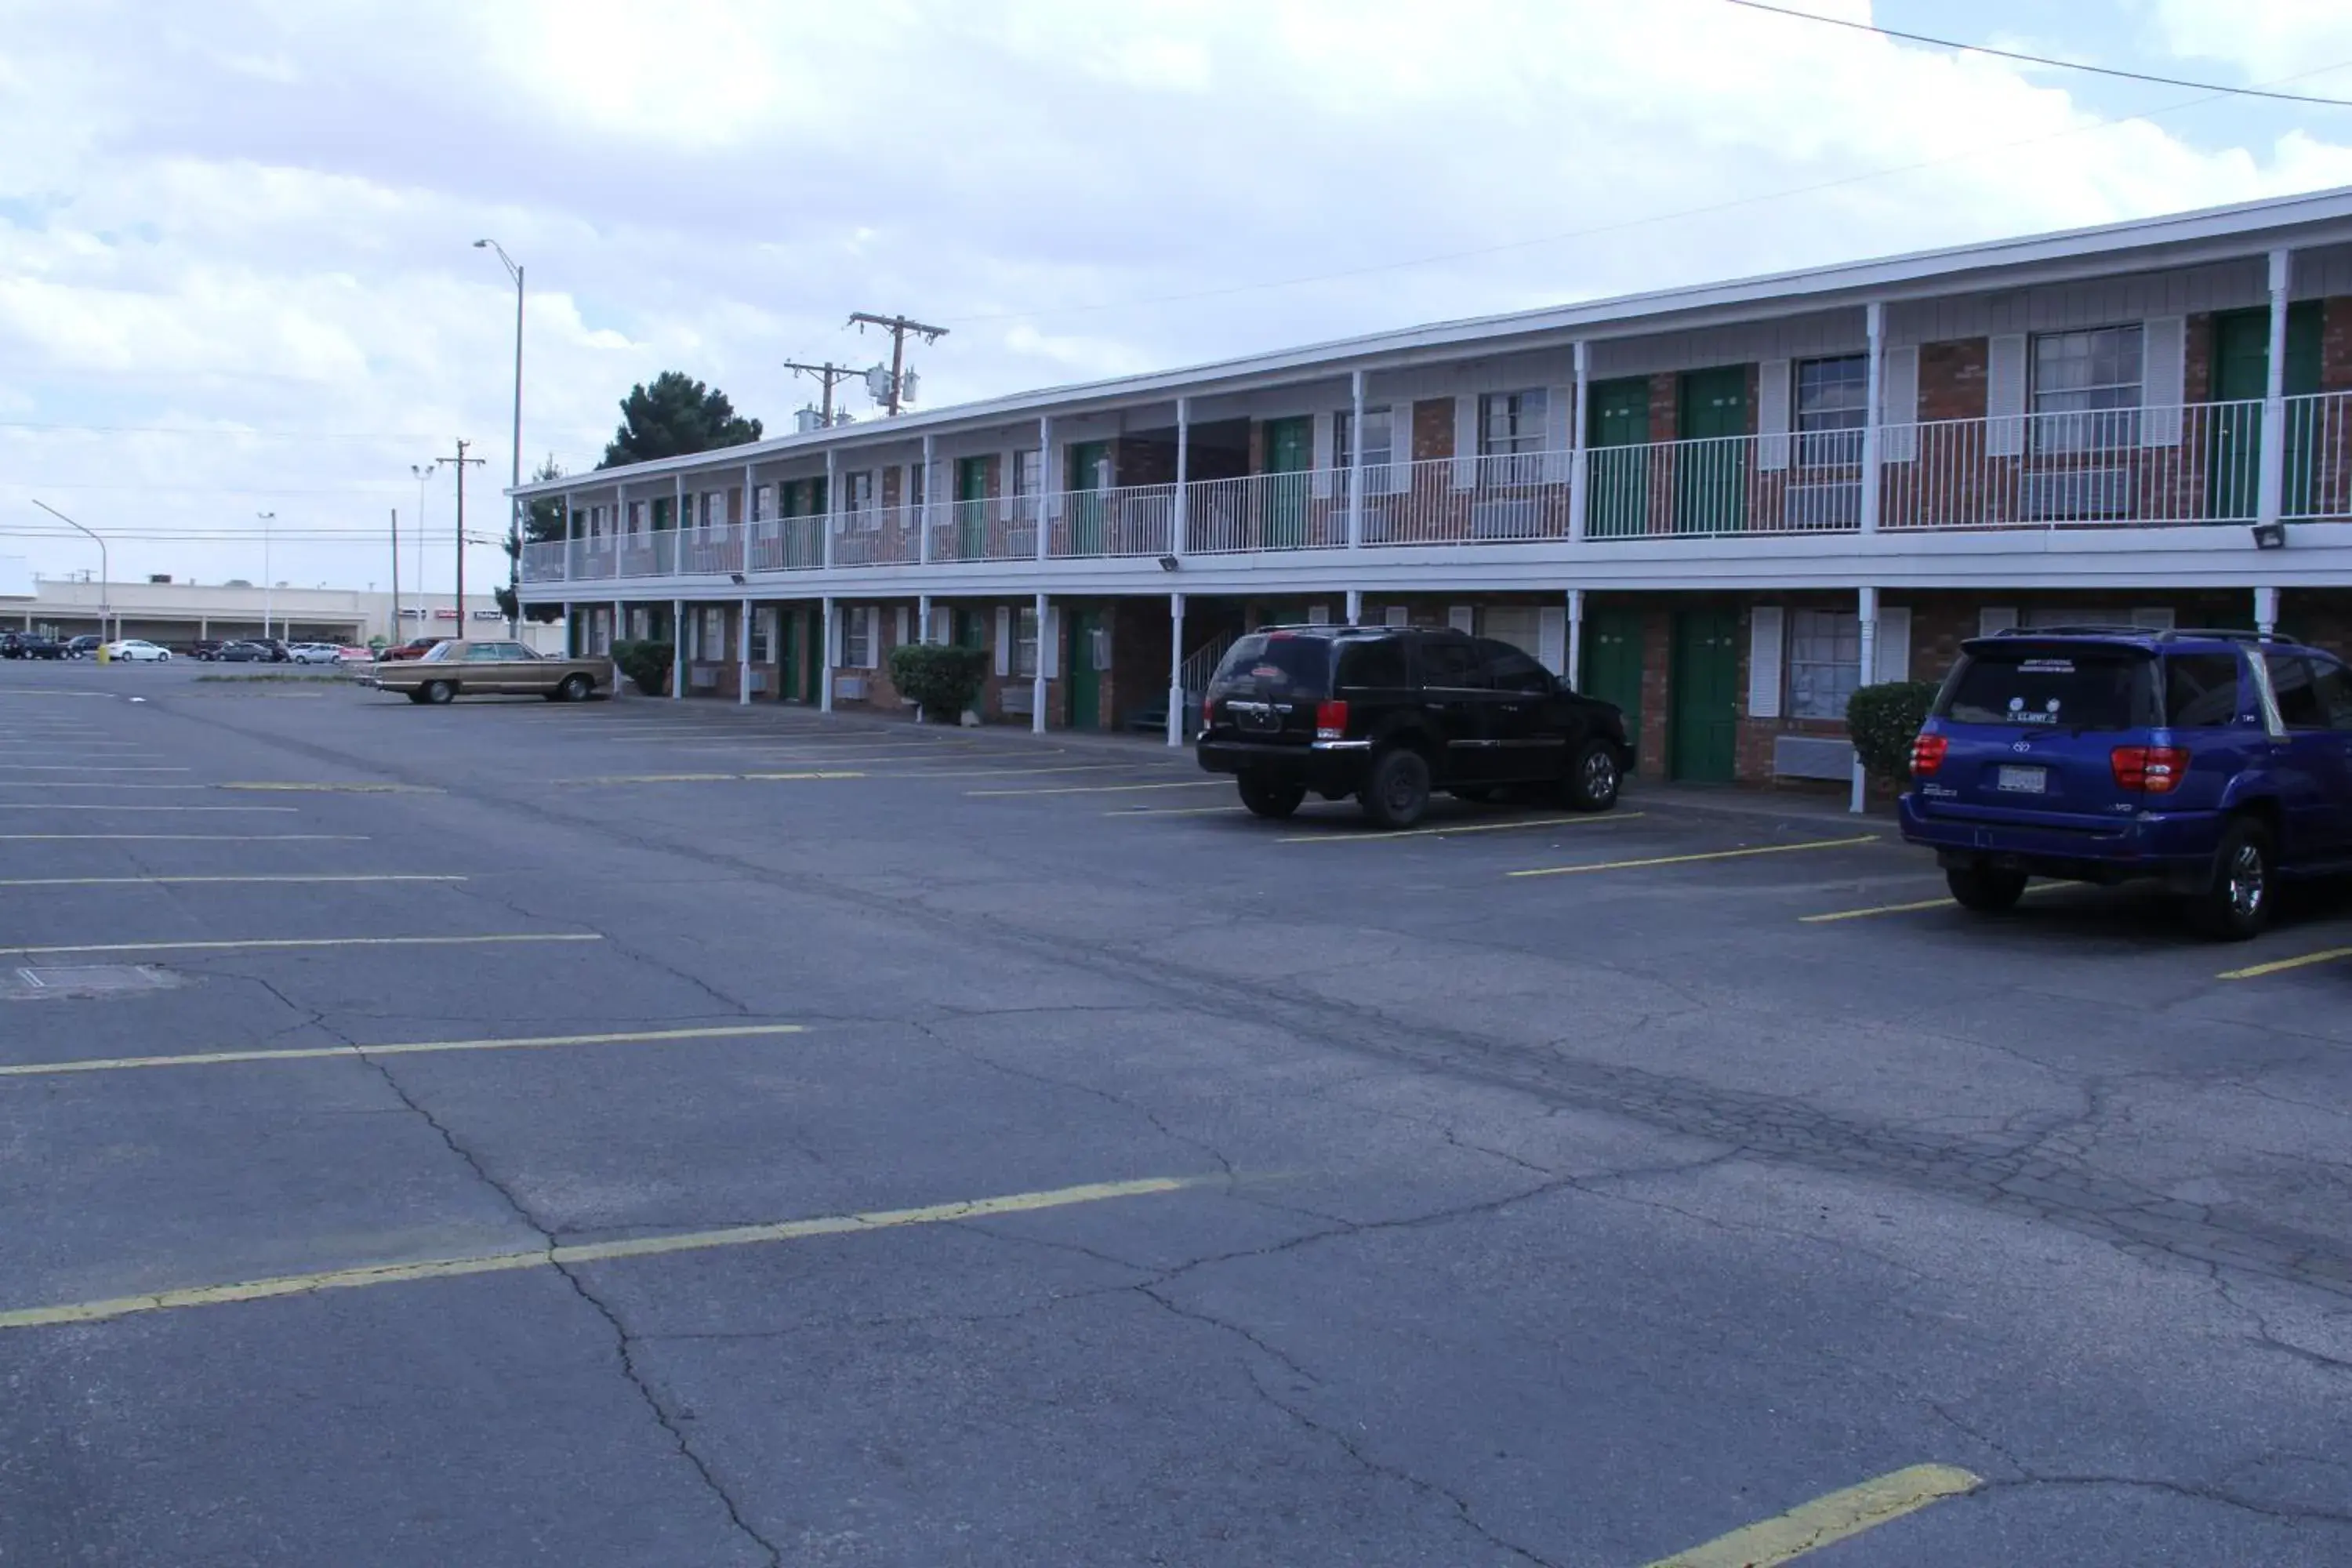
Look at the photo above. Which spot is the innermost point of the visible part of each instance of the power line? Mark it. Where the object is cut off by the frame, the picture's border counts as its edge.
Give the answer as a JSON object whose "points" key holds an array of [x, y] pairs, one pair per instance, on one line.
{"points": [[1733, 204], [215, 430], [2044, 60], [900, 389]]}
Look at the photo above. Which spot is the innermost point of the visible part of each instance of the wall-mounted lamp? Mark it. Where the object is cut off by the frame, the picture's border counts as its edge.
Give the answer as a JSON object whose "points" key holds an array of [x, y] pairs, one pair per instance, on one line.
{"points": [[1169, 564], [2270, 536]]}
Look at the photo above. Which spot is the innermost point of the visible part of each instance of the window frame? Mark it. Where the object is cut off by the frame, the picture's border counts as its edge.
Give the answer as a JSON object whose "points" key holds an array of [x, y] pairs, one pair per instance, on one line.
{"points": [[2095, 425], [1829, 437], [1024, 643], [1804, 630]]}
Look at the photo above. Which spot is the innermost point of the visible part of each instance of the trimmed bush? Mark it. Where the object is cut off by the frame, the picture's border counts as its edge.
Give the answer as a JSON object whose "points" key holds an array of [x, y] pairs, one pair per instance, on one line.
{"points": [[942, 679], [646, 662], [1884, 720]]}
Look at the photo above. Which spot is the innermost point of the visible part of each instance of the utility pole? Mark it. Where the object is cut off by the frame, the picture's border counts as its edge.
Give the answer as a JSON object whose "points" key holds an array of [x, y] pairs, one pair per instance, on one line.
{"points": [[897, 327], [268, 588], [395, 579], [459, 462], [105, 572], [828, 375]]}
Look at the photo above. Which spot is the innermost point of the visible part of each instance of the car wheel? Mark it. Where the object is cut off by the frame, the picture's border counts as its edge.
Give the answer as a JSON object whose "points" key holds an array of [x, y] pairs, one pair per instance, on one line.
{"points": [[1983, 889], [439, 691], [1398, 791], [576, 687], [417, 698], [2238, 904], [1594, 777], [1266, 799]]}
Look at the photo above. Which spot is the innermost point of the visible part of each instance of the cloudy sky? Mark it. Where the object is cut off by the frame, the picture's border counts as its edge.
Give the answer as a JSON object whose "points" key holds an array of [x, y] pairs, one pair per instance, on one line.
{"points": [[236, 273]]}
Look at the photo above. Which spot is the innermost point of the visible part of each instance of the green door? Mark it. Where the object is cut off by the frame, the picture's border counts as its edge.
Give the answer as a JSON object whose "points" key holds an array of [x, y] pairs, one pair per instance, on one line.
{"points": [[789, 686], [1703, 709], [971, 508], [1617, 478], [1090, 472], [1084, 683], [1613, 662], [1289, 453], [2240, 377], [1711, 462]]}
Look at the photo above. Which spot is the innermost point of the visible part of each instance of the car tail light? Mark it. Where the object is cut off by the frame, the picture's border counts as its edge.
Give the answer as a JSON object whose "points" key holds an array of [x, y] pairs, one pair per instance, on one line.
{"points": [[1330, 720], [1208, 711], [1927, 755], [2152, 770]]}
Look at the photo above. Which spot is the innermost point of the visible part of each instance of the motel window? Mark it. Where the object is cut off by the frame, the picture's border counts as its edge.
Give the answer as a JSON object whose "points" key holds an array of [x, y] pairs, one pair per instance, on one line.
{"points": [[2086, 389], [1025, 645], [1832, 405], [1511, 423], [1379, 444], [858, 638], [1027, 463], [764, 636], [1824, 662], [858, 492], [918, 478], [714, 633]]}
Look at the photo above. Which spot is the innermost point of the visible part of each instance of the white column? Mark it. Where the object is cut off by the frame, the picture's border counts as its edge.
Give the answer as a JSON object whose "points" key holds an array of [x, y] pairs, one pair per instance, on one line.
{"points": [[923, 521], [1575, 670], [923, 618], [1038, 682], [677, 521], [676, 645], [567, 536], [2273, 492], [1356, 472], [1868, 617], [1356, 595], [1044, 532], [825, 637], [1580, 481], [1177, 718], [2266, 603], [743, 658], [1183, 461], [831, 510], [1874, 324]]}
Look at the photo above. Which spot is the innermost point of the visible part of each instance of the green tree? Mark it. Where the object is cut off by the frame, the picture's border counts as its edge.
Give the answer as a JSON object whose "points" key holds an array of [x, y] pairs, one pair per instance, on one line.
{"points": [[674, 416], [543, 518]]}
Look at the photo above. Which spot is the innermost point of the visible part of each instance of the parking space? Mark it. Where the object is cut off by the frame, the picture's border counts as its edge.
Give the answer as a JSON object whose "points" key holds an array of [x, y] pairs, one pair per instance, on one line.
{"points": [[634, 1133]]}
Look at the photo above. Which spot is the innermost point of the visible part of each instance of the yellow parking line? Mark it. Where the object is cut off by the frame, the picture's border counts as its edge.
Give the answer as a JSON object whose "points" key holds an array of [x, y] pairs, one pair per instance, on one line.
{"points": [[2279, 965], [296, 877], [85, 805], [298, 786], [1341, 836], [1101, 789], [1908, 909], [1709, 855], [1839, 1516], [587, 1252], [287, 942], [183, 837], [408, 1049]]}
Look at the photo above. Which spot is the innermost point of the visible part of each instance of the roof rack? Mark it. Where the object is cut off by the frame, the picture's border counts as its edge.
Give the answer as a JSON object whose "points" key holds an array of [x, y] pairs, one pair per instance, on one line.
{"points": [[2161, 633]]}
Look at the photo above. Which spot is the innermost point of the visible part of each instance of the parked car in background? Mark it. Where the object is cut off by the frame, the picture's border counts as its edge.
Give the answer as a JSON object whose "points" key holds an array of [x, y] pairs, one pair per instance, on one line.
{"points": [[453, 669], [241, 652], [313, 653], [84, 646], [206, 649], [138, 650], [351, 653], [2214, 763], [30, 645], [414, 647], [1389, 714]]}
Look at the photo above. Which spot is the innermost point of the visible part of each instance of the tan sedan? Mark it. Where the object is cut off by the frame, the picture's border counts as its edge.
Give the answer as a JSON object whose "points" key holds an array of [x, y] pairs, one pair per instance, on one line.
{"points": [[467, 667]]}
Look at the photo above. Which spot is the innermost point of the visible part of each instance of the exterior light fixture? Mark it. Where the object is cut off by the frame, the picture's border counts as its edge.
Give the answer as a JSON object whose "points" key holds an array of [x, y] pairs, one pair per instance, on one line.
{"points": [[2270, 536]]}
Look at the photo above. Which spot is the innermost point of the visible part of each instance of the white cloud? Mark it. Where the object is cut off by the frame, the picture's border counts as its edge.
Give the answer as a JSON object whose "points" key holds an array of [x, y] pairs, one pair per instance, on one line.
{"points": [[265, 223]]}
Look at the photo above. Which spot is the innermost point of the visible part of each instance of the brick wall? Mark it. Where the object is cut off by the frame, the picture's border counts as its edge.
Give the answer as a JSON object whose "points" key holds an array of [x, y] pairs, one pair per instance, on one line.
{"points": [[1136, 461], [2196, 375], [1138, 658], [1952, 380], [1433, 428], [2336, 344]]}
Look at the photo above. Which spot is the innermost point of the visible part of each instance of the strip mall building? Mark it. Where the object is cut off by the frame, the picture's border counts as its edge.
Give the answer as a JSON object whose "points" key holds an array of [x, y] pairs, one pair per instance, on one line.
{"points": [[1722, 507]]}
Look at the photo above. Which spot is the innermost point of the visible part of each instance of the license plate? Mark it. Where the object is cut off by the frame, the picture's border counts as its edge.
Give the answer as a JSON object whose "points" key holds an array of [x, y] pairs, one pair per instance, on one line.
{"points": [[2021, 780]]}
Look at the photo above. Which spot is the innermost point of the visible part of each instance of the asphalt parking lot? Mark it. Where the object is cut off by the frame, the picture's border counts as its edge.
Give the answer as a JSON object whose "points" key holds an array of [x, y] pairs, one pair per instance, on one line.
{"points": [[645, 1132]]}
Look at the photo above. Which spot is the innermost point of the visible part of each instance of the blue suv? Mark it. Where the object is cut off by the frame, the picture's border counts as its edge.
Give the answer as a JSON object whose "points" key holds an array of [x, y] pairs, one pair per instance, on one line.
{"points": [[2215, 762]]}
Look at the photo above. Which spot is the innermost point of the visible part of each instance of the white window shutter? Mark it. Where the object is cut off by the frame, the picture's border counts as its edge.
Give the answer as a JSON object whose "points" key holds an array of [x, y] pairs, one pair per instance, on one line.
{"points": [[1463, 618], [1552, 638], [1892, 651], [1049, 643], [1899, 405], [2164, 379], [901, 639], [1003, 639], [1008, 464], [1465, 442], [1399, 478], [1559, 433], [1994, 619], [1319, 615], [2155, 617], [1764, 634], [1319, 457], [1396, 615], [832, 630], [1772, 415], [2005, 395], [939, 625]]}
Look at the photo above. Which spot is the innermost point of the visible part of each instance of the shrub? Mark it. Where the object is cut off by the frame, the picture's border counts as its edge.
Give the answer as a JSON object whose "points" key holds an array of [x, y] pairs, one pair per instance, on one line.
{"points": [[646, 662], [1884, 720], [944, 681]]}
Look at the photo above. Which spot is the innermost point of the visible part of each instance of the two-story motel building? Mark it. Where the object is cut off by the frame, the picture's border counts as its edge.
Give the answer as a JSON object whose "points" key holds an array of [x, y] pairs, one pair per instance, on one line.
{"points": [[1721, 507]]}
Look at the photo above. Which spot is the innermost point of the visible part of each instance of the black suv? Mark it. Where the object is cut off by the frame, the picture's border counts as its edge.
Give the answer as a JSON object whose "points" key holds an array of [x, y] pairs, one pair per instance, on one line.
{"points": [[29, 645], [1389, 713]]}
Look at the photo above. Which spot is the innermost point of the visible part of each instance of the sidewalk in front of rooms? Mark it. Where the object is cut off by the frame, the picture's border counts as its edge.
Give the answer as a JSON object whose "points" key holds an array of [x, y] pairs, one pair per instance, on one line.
{"points": [[1742, 800]]}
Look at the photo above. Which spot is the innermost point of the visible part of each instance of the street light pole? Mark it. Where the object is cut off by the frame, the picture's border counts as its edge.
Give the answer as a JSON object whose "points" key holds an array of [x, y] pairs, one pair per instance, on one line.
{"points": [[514, 503], [424, 472], [105, 573], [267, 593]]}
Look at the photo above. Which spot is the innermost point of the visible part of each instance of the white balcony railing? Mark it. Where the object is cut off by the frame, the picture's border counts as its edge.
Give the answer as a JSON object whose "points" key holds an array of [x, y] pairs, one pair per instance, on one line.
{"points": [[2194, 464]]}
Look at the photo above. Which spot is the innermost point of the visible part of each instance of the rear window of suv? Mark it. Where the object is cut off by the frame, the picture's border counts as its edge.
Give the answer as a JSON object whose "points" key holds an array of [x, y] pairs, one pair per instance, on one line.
{"points": [[2053, 687], [1277, 661]]}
